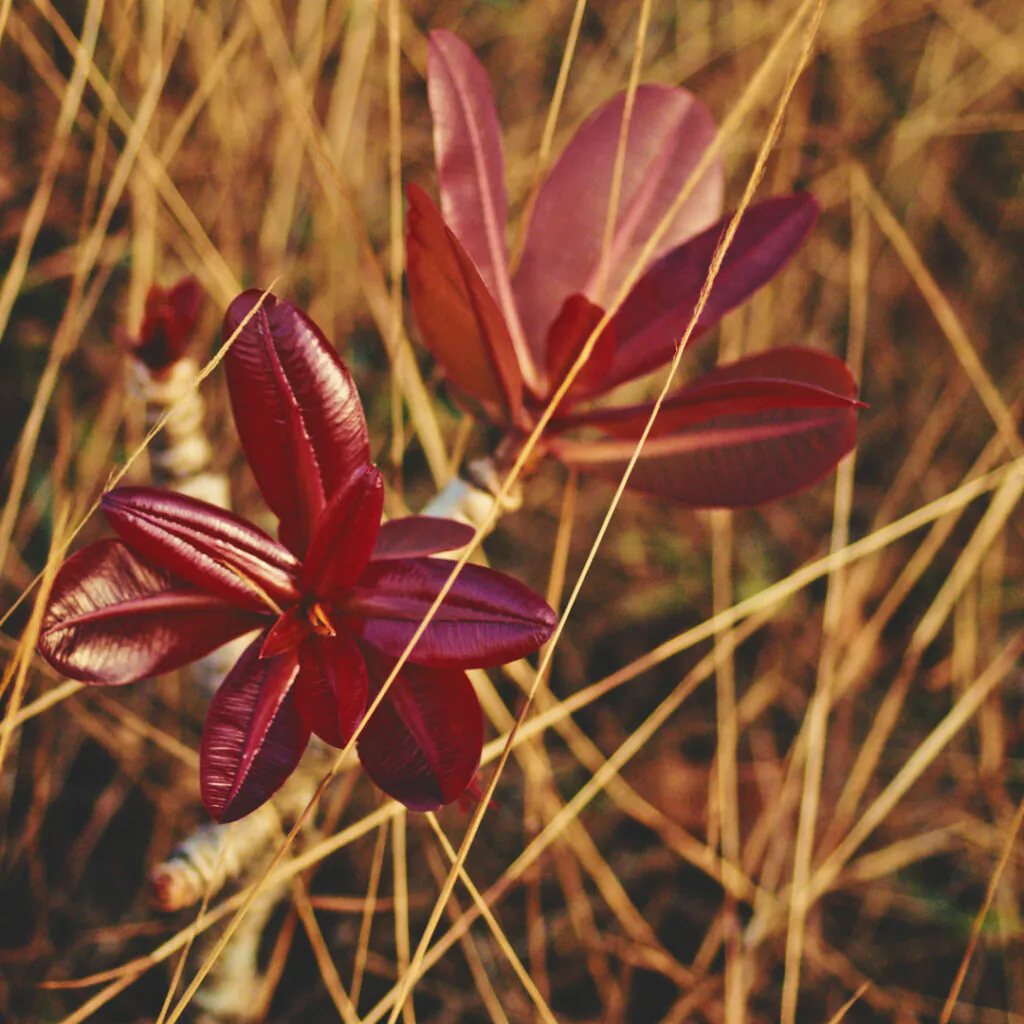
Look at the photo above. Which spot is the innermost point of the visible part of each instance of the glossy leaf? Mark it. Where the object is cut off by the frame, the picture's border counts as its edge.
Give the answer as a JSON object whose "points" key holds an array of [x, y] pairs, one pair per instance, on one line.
{"points": [[458, 317], [415, 536], [204, 545], [290, 630], [470, 166], [486, 619], [784, 378], [297, 412], [668, 133], [254, 735], [331, 692], [345, 535], [113, 618], [658, 310], [422, 744]]}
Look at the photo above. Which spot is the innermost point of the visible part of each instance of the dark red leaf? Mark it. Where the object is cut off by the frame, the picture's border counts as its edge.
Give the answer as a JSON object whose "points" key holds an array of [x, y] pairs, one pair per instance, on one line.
{"points": [[470, 166], [287, 633], [345, 535], [297, 412], [668, 133], [731, 463], [458, 317], [569, 333], [783, 378], [415, 536], [422, 744], [113, 618], [204, 545], [486, 619], [167, 324], [254, 735], [658, 310], [331, 691]]}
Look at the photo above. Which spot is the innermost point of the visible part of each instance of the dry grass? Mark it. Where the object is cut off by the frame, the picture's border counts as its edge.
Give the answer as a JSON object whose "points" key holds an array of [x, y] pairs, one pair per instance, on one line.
{"points": [[770, 775]]}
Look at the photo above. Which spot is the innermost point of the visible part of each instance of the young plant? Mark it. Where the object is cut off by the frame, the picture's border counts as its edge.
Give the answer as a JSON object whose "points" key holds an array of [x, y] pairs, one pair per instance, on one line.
{"points": [[747, 432], [336, 598], [167, 324]]}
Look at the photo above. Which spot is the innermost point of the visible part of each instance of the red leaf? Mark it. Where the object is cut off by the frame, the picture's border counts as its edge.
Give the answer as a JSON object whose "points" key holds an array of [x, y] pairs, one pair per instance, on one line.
{"points": [[569, 333], [113, 618], [748, 461], [253, 737], [287, 633], [657, 311], [331, 691], [457, 316], [297, 412], [668, 133], [470, 166], [784, 378], [422, 744], [345, 535], [204, 545], [415, 536], [486, 619]]}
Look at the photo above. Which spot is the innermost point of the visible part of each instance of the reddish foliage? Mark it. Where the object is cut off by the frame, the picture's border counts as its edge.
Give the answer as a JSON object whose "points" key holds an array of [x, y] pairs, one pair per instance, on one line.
{"points": [[336, 600], [750, 432]]}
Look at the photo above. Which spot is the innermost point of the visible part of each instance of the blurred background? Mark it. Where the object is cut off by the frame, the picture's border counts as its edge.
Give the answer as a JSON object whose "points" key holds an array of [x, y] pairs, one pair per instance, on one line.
{"points": [[855, 726]]}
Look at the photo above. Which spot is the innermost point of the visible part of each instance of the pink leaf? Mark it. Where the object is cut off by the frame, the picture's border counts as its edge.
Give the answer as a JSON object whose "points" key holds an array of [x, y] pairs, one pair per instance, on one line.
{"points": [[204, 545], [297, 412], [470, 166], [345, 535], [415, 536], [457, 316], [113, 618], [658, 310], [253, 737], [332, 688], [422, 744], [668, 133], [486, 619]]}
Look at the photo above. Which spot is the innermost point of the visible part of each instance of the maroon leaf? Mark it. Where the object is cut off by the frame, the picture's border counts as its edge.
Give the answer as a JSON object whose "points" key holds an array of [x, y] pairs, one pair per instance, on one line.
{"points": [[290, 630], [731, 462], [331, 691], [296, 409], [415, 536], [113, 618], [204, 545], [784, 378], [345, 535], [486, 619], [254, 735], [422, 744], [470, 166], [457, 316], [569, 333], [167, 324], [658, 310], [668, 133]]}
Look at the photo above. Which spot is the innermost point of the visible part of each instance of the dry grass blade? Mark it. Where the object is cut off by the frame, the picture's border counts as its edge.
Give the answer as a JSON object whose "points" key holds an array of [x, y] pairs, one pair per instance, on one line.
{"points": [[979, 920]]}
